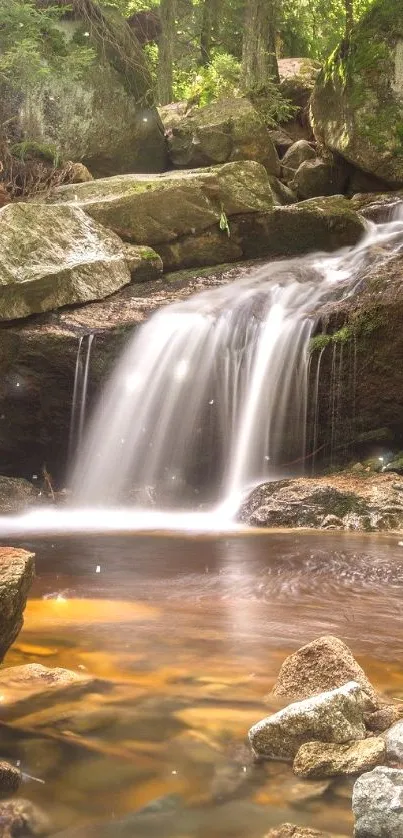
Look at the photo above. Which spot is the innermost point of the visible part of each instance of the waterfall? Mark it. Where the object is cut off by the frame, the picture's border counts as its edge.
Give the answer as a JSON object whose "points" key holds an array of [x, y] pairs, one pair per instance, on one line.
{"points": [[79, 403], [218, 384]]}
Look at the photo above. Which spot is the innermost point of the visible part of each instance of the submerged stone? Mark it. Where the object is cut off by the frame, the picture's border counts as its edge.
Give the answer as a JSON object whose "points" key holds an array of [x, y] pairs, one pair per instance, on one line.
{"points": [[333, 716], [290, 830], [378, 804], [20, 818]]}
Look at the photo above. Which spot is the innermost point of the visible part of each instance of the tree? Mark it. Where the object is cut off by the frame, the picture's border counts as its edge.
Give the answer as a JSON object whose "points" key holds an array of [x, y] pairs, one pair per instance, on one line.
{"points": [[209, 27], [259, 58], [349, 10], [166, 51]]}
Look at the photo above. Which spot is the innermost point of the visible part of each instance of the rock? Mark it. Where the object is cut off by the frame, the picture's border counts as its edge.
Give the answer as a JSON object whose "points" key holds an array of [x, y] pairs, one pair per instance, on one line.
{"points": [[301, 792], [160, 209], [52, 256], [78, 173], [333, 716], [341, 501], [384, 718], [282, 194], [16, 495], [356, 112], [289, 830], [394, 743], [16, 577], [10, 778], [300, 152], [228, 130], [378, 804], [324, 664], [31, 687], [297, 79], [106, 119], [316, 760], [317, 177], [143, 262], [20, 818], [281, 139]]}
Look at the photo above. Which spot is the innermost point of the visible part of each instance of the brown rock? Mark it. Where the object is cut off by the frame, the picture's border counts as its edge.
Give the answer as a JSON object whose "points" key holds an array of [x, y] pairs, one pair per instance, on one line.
{"points": [[10, 778], [324, 664], [316, 760], [32, 687], [20, 818], [16, 576], [289, 830], [384, 718]]}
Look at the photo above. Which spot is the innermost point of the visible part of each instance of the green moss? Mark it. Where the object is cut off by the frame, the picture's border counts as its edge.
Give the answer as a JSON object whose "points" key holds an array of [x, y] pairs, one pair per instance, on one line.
{"points": [[320, 342], [31, 150]]}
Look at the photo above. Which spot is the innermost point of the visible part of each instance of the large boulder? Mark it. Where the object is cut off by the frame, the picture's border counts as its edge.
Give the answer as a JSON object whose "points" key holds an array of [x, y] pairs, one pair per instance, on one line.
{"points": [[333, 716], [106, 118], [16, 577], [228, 130], [318, 177], [52, 256], [357, 103], [159, 209], [378, 804], [323, 664]]}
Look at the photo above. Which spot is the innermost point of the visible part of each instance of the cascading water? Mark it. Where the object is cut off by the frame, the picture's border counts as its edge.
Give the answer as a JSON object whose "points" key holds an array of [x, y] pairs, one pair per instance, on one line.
{"points": [[79, 403], [229, 365]]}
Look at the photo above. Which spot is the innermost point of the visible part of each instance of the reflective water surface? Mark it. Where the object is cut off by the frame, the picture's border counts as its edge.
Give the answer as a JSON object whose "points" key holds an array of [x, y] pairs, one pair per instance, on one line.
{"points": [[186, 636]]}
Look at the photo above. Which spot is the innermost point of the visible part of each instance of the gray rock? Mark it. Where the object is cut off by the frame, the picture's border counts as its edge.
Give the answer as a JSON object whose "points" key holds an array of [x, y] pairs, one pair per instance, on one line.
{"points": [[16, 494], [317, 177], [316, 760], [378, 804], [297, 154], [394, 743], [334, 716], [16, 577], [52, 256]]}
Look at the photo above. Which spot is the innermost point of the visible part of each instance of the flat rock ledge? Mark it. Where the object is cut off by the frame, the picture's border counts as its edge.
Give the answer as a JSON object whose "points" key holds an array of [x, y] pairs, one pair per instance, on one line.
{"points": [[16, 577]]}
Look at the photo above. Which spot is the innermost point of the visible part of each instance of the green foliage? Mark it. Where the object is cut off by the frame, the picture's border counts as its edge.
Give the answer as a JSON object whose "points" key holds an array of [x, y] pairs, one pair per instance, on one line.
{"points": [[270, 102], [218, 80]]}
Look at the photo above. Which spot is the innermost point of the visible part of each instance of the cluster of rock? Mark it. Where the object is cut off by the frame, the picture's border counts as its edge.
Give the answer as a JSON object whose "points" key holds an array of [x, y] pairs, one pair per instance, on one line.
{"points": [[337, 726]]}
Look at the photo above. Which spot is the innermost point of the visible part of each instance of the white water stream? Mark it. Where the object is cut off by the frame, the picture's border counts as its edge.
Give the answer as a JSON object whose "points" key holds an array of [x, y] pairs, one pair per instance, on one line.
{"points": [[234, 360]]}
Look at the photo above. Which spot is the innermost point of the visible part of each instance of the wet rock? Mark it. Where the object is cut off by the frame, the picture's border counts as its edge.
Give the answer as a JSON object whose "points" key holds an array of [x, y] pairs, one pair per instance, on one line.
{"points": [[10, 778], [357, 112], [320, 759], [289, 830], [394, 743], [32, 687], [76, 261], [16, 577], [302, 791], [383, 719], [297, 154], [20, 818], [334, 716], [160, 209], [378, 804], [318, 177], [228, 130], [323, 664], [16, 495]]}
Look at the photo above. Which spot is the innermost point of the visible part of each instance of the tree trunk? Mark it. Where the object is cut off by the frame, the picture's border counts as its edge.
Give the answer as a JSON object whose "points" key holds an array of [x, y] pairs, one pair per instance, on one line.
{"points": [[259, 59], [349, 9], [208, 30], [166, 51]]}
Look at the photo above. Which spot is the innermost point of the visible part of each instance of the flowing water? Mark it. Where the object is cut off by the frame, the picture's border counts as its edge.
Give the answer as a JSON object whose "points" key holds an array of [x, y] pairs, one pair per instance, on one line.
{"points": [[186, 636], [79, 403], [214, 389]]}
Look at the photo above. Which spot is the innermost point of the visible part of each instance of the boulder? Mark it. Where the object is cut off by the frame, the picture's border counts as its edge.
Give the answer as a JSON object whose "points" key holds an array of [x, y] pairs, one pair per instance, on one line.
{"points": [[10, 778], [316, 760], [20, 818], [358, 112], [298, 153], [394, 743], [323, 664], [160, 209], [228, 130], [318, 177], [333, 716], [16, 577], [281, 139], [52, 256], [106, 118], [16, 495], [378, 804], [282, 194], [289, 830], [31, 687], [383, 719]]}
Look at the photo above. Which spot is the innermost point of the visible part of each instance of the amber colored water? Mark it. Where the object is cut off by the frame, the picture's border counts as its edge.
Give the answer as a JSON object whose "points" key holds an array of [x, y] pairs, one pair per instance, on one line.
{"points": [[192, 631]]}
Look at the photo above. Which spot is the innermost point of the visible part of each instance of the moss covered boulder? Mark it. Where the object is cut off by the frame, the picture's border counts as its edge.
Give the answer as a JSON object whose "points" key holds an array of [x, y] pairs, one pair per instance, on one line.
{"points": [[52, 256], [159, 209], [228, 130], [357, 104]]}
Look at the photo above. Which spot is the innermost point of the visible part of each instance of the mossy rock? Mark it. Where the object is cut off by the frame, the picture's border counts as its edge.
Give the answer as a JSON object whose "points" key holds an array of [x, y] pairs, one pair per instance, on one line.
{"points": [[357, 104]]}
